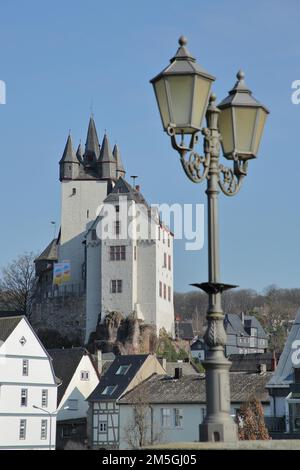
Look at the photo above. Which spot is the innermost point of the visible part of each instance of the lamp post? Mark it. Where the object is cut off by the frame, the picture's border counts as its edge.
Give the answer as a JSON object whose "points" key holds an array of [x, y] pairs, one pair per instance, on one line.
{"points": [[183, 95], [50, 422]]}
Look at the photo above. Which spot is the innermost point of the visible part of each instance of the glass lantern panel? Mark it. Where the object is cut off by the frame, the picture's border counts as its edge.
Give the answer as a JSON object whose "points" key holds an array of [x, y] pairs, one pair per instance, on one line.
{"points": [[226, 130], [260, 123], [181, 94], [245, 118], [161, 96], [201, 94]]}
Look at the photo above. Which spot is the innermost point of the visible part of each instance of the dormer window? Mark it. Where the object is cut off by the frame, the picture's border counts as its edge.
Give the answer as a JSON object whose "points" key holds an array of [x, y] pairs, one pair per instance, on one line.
{"points": [[73, 191], [122, 370], [109, 390]]}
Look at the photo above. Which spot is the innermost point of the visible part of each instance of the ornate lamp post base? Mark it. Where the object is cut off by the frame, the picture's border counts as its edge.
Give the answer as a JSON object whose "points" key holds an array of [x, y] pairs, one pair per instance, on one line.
{"points": [[219, 425]]}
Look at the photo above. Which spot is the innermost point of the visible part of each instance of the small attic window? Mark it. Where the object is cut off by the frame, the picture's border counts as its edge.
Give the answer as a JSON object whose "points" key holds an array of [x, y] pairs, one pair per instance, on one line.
{"points": [[123, 370], [109, 390], [73, 191]]}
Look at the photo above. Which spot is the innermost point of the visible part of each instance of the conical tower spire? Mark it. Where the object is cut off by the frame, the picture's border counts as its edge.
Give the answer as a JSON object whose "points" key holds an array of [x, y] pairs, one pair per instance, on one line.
{"points": [[117, 157], [80, 153], [69, 164], [92, 147], [107, 160]]}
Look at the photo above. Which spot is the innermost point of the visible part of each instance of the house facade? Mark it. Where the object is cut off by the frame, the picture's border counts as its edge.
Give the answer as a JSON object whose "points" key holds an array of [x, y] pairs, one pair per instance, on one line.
{"points": [[104, 414], [78, 374], [28, 388], [173, 407], [245, 335]]}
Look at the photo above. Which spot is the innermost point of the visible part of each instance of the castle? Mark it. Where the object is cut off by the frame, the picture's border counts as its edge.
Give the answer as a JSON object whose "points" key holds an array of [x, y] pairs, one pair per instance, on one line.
{"points": [[119, 253]]}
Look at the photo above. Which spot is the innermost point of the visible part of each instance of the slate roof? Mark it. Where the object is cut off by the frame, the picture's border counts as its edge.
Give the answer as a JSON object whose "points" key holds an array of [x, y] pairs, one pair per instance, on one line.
{"points": [[92, 142], [187, 368], [234, 325], [250, 362], [7, 325], [105, 152], [283, 374], [191, 389], [198, 345], [252, 322], [65, 363], [123, 188], [69, 156], [50, 253], [120, 381], [184, 330]]}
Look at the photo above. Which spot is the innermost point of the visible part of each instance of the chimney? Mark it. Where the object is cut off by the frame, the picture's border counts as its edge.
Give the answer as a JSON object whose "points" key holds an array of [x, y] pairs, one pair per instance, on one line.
{"points": [[163, 362], [99, 361], [262, 368], [273, 361], [243, 318], [178, 373]]}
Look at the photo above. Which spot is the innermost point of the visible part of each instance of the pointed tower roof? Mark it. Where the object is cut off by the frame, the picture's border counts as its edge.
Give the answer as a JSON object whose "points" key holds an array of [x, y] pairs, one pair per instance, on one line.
{"points": [[123, 188], [92, 142], [69, 154], [105, 152], [117, 156], [79, 153]]}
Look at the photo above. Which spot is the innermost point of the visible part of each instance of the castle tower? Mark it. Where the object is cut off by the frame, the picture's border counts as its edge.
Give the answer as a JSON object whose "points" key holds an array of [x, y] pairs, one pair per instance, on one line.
{"points": [[80, 153], [107, 161], [117, 156], [69, 164], [92, 147]]}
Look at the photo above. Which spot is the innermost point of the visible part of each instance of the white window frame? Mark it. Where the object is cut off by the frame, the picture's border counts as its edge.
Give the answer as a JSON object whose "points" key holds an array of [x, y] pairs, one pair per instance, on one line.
{"points": [[25, 367], [103, 425], [24, 396], [178, 417], [44, 400], [44, 430], [84, 375], [22, 429], [166, 417]]}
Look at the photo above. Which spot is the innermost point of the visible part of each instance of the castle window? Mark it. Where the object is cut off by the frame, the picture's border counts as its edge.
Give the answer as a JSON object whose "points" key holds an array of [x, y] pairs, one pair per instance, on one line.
{"points": [[117, 227], [118, 253], [70, 167], [117, 208], [169, 241], [25, 367], [169, 294], [73, 191], [94, 234], [87, 214], [160, 289], [24, 395], [116, 286], [165, 260], [165, 291], [159, 233], [135, 253], [169, 262]]}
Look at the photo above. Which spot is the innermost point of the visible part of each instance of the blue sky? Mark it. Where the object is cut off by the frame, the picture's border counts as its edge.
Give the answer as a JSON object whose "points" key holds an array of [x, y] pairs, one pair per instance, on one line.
{"points": [[58, 57]]}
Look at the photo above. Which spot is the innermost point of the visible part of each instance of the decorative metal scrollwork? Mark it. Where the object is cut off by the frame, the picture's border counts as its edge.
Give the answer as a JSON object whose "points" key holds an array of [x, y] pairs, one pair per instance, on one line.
{"points": [[195, 166], [230, 180]]}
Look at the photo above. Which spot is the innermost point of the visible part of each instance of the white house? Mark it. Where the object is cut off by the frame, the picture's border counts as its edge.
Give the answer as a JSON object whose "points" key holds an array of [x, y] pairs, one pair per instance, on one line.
{"points": [[79, 375], [173, 407], [28, 388]]}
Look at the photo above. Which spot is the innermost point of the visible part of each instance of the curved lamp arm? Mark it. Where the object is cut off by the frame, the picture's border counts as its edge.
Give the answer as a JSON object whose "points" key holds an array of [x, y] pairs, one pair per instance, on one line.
{"points": [[231, 179], [195, 166]]}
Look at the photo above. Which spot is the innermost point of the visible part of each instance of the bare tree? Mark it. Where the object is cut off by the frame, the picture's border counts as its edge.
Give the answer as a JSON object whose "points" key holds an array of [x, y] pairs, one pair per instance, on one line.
{"points": [[17, 284], [140, 431]]}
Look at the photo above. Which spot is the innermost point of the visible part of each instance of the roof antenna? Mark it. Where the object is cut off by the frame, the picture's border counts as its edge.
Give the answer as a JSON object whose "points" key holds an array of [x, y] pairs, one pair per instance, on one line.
{"points": [[92, 108], [133, 177]]}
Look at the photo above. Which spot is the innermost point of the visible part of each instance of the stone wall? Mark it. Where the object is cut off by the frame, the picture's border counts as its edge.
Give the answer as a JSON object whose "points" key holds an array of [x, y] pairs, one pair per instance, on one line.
{"points": [[66, 314]]}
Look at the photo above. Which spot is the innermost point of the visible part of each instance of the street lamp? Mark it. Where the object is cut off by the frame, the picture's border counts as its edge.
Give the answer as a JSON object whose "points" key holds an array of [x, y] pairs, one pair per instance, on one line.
{"points": [[183, 95], [50, 422]]}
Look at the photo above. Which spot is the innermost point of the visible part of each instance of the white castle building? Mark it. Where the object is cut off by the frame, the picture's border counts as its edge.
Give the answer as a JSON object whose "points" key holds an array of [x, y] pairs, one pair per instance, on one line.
{"points": [[120, 253]]}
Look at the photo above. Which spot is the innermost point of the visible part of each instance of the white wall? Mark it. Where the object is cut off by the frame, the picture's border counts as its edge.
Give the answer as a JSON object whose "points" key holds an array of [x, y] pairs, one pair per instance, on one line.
{"points": [[78, 390], [74, 219], [40, 377]]}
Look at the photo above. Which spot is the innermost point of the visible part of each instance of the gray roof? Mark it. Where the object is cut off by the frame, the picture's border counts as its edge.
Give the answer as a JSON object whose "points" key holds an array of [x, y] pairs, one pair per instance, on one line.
{"points": [[7, 325], [251, 362], [117, 156], [234, 325], [105, 152], [65, 363], [184, 330], [254, 323], [110, 378], [69, 155], [187, 368], [191, 389], [283, 374], [92, 143], [198, 345], [50, 253], [123, 188]]}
